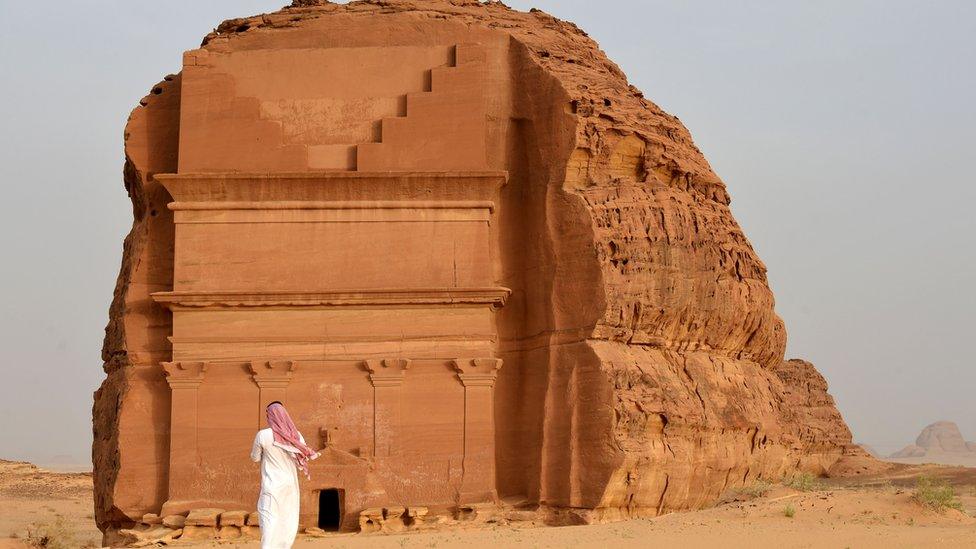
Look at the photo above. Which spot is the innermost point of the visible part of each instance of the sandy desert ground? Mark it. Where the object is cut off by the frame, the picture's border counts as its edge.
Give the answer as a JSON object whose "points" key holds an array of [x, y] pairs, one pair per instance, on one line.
{"points": [[865, 512]]}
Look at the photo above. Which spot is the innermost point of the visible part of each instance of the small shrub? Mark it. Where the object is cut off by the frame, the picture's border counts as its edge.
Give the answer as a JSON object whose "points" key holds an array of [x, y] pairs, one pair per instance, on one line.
{"points": [[757, 489], [789, 511], [52, 535], [936, 494], [804, 482]]}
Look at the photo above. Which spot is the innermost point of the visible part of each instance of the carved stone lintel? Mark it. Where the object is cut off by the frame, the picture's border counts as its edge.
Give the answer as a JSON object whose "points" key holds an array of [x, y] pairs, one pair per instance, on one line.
{"points": [[387, 372], [184, 375], [477, 372], [273, 374]]}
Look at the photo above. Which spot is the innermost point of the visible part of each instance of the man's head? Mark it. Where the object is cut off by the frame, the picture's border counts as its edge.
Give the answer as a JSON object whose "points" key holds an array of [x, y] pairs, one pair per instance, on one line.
{"points": [[275, 402]]}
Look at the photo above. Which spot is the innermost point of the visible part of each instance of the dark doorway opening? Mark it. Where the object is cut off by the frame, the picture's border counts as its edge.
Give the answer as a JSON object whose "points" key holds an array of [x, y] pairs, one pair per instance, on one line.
{"points": [[330, 509]]}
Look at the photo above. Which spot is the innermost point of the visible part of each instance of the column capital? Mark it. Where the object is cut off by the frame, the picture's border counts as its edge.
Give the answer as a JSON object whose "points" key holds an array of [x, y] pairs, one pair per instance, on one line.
{"points": [[477, 372], [274, 374], [387, 372], [184, 375]]}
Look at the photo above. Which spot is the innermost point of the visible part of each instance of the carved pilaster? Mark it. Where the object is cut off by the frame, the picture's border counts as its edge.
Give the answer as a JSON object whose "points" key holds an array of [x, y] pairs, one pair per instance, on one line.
{"points": [[272, 378], [478, 377], [387, 372], [184, 379], [477, 372], [386, 375], [184, 375]]}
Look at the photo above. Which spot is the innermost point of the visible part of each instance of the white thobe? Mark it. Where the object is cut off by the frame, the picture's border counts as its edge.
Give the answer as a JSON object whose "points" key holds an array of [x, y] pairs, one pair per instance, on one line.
{"points": [[278, 503]]}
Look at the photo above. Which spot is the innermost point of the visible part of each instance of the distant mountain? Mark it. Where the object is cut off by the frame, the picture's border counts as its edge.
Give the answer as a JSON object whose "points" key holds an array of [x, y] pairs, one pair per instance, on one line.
{"points": [[869, 449], [940, 442]]}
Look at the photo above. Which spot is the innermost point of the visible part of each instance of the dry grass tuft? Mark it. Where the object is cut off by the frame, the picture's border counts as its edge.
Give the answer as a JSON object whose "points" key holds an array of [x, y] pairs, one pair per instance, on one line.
{"points": [[757, 489], [804, 482], [937, 495], [56, 534]]}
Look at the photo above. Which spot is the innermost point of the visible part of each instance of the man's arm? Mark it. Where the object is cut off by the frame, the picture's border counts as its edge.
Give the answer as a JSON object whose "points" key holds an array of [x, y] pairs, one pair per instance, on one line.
{"points": [[256, 448]]}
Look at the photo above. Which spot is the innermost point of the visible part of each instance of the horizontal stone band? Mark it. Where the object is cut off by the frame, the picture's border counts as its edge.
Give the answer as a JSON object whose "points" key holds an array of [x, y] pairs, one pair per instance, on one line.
{"points": [[494, 296]]}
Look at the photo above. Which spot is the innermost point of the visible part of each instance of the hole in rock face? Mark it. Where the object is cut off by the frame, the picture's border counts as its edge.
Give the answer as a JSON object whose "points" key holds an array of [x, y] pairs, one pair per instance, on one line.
{"points": [[330, 509]]}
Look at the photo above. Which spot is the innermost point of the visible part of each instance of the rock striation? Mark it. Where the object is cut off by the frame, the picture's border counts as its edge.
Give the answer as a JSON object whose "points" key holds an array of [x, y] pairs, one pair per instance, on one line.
{"points": [[643, 359]]}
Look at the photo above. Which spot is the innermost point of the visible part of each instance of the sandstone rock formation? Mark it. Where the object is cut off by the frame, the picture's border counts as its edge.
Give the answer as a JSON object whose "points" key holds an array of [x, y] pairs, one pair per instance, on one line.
{"points": [[294, 191], [940, 442]]}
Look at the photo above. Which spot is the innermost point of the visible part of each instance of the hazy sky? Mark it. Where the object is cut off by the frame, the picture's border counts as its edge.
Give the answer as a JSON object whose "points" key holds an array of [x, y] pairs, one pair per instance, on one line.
{"points": [[845, 131]]}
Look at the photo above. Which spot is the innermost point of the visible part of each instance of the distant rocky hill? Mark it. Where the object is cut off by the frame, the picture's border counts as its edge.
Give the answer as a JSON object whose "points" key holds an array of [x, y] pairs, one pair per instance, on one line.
{"points": [[940, 442], [869, 449]]}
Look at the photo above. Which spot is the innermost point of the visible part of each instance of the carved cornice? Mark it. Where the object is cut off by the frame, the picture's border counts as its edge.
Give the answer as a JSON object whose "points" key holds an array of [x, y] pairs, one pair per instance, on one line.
{"points": [[189, 300], [387, 372], [334, 205], [477, 372], [273, 187], [275, 374], [184, 375]]}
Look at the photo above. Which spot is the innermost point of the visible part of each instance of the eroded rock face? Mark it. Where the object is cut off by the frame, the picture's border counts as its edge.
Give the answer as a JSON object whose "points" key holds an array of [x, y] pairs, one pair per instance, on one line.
{"points": [[643, 360]]}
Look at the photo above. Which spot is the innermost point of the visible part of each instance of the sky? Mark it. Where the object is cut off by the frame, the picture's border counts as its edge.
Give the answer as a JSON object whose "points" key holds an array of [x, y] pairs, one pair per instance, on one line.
{"points": [[844, 129]]}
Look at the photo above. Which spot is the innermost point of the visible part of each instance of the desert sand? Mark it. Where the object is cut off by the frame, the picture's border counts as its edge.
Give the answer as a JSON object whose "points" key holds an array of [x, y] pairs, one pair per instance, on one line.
{"points": [[873, 511]]}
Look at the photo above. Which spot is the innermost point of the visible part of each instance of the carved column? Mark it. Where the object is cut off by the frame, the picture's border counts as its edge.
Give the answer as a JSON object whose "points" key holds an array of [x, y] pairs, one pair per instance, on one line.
{"points": [[386, 376], [272, 379], [478, 377], [184, 379]]}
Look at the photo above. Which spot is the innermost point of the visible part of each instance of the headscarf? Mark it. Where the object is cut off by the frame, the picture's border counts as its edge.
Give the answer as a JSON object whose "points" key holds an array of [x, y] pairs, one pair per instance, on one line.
{"points": [[287, 437]]}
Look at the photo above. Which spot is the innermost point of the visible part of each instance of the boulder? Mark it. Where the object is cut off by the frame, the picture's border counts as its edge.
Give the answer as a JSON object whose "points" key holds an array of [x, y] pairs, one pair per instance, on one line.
{"points": [[191, 532], [174, 521], [253, 519], [150, 536], [229, 532], [207, 516], [371, 520], [416, 512], [233, 518], [315, 532]]}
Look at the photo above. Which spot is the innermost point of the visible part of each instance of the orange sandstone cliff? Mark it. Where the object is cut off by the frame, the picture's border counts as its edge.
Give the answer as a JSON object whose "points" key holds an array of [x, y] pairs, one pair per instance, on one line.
{"points": [[643, 359]]}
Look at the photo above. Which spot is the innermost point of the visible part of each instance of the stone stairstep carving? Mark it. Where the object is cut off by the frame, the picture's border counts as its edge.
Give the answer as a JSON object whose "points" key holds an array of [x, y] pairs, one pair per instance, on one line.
{"points": [[445, 125]]}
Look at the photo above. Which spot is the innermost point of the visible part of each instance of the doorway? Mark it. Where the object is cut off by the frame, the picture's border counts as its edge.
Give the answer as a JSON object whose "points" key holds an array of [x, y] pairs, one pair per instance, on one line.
{"points": [[330, 509]]}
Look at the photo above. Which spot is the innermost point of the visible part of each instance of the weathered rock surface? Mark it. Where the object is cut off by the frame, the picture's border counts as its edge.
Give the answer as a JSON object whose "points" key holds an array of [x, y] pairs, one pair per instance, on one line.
{"points": [[174, 521], [233, 518], [206, 516], [812, 424], [644, 366]]}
